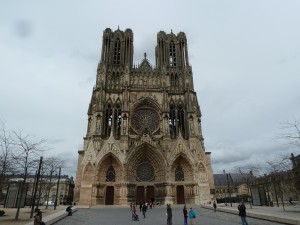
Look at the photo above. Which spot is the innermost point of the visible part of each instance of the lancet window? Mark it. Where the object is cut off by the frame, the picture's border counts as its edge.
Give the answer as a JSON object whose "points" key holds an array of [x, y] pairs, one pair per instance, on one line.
{"points": [[117, 120], [172, 121], [177, 120], [117, 52], [112, 121], [172, 54]]}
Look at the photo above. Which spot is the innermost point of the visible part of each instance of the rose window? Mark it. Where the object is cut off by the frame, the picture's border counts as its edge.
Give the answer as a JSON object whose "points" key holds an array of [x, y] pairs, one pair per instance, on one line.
{"points": [[145, 172], [145, 121]]}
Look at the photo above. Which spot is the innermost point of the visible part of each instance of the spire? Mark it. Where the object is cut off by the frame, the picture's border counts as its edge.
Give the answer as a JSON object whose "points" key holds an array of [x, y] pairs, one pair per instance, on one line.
{"points": [[145, 55]]}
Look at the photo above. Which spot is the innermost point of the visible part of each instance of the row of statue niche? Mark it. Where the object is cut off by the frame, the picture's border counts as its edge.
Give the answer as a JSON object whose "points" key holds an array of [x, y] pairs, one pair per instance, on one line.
{"points": [[145, 80]]}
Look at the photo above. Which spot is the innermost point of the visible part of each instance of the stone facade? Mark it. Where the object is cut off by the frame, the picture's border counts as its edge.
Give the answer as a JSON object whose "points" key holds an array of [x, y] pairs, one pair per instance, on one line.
{"points": [[144, 138]]}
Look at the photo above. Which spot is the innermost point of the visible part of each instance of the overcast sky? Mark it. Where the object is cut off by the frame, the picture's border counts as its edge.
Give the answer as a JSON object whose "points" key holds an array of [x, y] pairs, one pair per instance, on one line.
{"points": [[245, 57]]}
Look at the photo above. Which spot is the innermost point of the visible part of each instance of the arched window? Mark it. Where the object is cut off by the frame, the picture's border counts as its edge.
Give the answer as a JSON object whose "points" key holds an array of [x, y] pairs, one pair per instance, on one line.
{"points": [[117, 120], [172, 54], [117, 52], [172, 120], [108, 120], [110, 174], [181, 120], [179, 174]]}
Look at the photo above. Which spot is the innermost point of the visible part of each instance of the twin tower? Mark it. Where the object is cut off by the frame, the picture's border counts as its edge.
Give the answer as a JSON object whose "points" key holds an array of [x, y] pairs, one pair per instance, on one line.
{"points": [[144, 140]]}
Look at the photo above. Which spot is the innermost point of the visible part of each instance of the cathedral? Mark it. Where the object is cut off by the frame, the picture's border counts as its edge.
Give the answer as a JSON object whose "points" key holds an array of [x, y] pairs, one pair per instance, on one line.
{"points": [[144, 140]]}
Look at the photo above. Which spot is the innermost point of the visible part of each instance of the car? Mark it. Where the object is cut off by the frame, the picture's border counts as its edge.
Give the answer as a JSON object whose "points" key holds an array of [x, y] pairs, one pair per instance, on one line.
{"points": [[50, 203]]}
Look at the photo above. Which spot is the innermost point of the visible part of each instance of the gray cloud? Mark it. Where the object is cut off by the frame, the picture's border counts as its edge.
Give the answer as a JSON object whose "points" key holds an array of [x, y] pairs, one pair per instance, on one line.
{"points": [[245, 63]]}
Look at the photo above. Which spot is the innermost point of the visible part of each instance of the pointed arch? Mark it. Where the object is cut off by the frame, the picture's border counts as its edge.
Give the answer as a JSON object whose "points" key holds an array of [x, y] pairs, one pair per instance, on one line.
{"points": [[105, 165], [151, 158], [88, 172], [181, 165]]}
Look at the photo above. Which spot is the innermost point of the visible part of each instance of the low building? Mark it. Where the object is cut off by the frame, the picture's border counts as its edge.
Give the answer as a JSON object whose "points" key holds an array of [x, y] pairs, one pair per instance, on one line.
{"points": [[46, 191], [230, 188]]}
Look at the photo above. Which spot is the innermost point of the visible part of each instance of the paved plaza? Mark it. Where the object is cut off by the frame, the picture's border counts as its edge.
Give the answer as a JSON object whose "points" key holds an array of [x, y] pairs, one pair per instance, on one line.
{"points": [[115, 215]]}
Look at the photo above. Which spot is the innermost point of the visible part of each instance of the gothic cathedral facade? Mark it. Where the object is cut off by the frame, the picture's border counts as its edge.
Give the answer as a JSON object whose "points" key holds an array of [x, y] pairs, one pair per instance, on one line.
{"points": [[144, 140]]}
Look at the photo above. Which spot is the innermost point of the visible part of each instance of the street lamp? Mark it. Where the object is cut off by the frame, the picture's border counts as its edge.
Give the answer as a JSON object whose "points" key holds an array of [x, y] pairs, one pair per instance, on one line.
{"points": [[228, 186]]}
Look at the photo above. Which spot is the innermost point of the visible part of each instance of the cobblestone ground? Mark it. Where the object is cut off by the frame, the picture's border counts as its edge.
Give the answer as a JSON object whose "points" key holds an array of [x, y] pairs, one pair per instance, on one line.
{"points": [[115, 215]]}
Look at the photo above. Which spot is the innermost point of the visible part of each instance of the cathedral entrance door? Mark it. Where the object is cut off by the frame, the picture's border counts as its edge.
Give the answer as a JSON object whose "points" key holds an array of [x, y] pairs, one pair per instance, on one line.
{"points": [[150, 193], [109, 198], [140, 194], [180, 194]]}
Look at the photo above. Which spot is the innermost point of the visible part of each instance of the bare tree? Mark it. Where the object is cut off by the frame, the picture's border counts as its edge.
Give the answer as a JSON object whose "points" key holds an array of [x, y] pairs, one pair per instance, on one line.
{"points": [[5, 155], [280, 171], [247, 174], [27, 150], [291, 132], [49, 167]]}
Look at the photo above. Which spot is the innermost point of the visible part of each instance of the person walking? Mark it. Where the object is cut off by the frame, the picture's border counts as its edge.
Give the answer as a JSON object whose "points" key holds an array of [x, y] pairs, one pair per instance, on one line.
{"points": [[242, 213], [215, 206], [192, 216], [169, 214], [144, 209], [185, 215]]}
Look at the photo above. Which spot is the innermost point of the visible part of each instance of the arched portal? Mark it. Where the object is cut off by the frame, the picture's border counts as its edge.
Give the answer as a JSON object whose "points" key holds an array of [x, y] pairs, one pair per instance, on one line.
{"points": [[108, 177], [181, 173], [145, 169]]}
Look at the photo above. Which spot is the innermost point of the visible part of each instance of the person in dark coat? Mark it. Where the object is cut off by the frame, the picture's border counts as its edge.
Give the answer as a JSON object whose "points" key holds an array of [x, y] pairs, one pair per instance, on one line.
{"points": [[215, 206], [144, 209], [69, 210], [242, 213], [185, 215], [169, 214]]}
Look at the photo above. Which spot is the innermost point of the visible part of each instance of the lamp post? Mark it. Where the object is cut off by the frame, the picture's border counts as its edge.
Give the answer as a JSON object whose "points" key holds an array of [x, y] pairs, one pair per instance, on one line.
{"points": [[225, 191], [228, 186], [55, 204]]}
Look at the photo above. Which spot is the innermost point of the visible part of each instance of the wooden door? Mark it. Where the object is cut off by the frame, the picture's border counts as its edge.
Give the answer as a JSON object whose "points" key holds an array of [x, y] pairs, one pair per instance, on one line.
{"points": [[150, 193], [110, 194], [140, 194], [180, 194]]}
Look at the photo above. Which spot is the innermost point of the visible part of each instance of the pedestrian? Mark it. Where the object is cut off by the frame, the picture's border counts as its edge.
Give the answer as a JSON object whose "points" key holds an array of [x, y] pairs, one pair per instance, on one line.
{"points": [[169, 214], [242, 213], [133, 211], [185, 215], [38, 218], [141, 207], [215, 206], [144, 208], [192, 216]]}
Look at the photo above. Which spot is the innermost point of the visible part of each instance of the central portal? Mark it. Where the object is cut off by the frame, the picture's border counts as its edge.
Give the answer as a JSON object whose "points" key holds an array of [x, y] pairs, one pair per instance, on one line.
{"points": [[150, 194], [145, 194]]}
